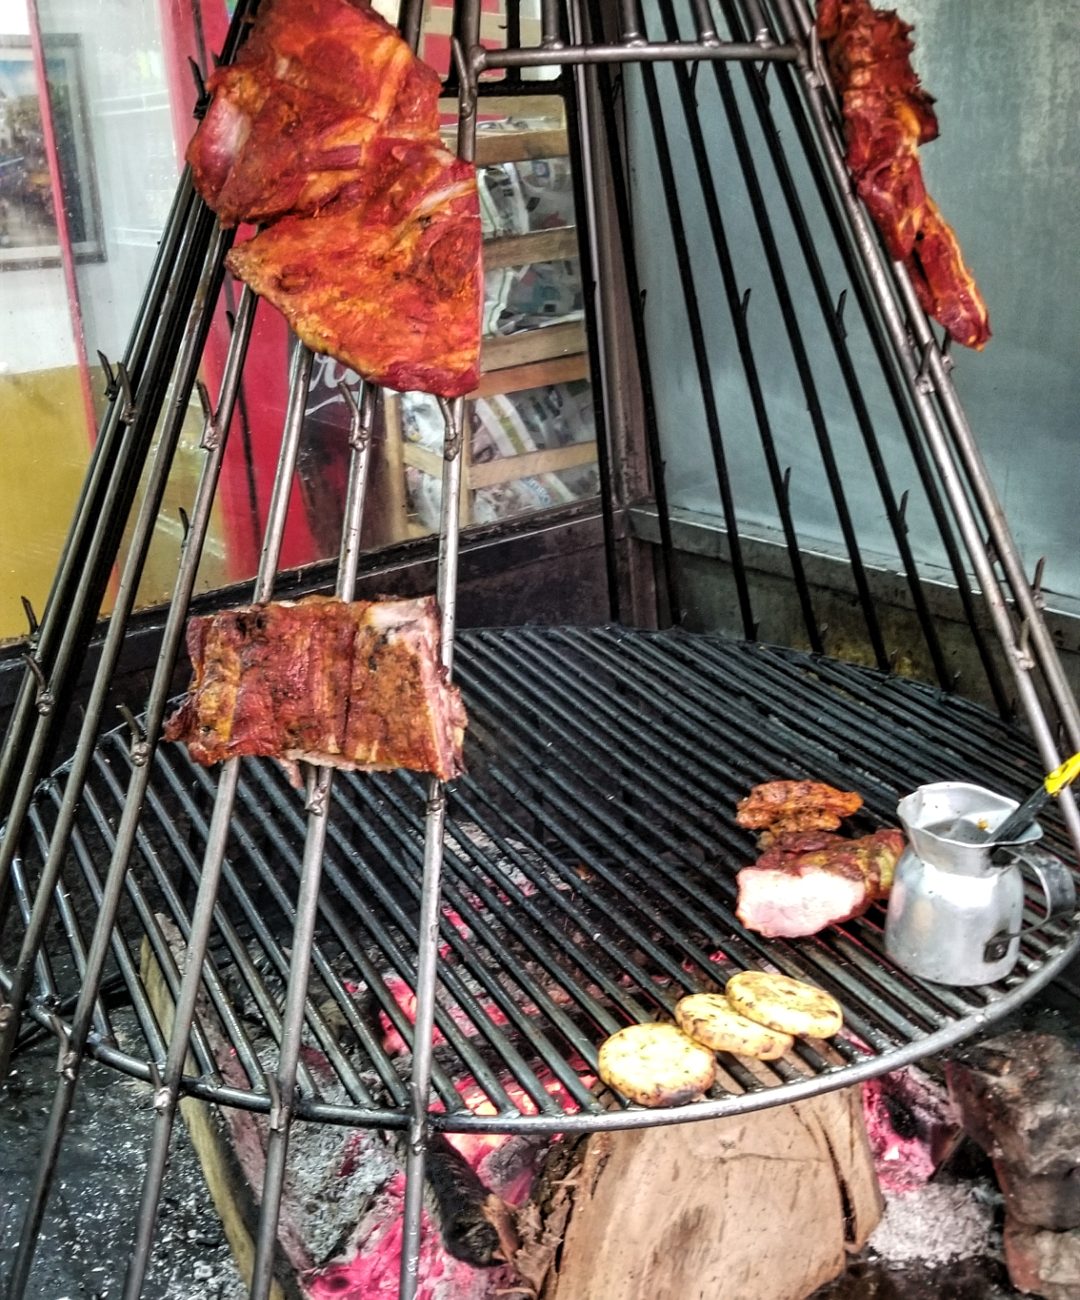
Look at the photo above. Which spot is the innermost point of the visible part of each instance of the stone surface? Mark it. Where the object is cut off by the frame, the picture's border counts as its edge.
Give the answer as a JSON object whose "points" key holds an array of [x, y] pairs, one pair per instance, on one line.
{"points": [[1017, 1095], [1043, 1263]]}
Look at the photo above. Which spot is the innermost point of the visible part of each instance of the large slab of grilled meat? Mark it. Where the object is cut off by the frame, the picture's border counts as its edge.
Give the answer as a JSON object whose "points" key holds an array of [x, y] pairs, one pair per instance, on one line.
{"points": [[327, 127], [354, 685], [887, 116]]}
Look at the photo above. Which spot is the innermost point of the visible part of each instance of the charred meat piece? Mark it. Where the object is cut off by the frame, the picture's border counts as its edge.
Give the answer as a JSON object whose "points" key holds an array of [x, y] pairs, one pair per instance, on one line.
{"points": [[386, 277], [327, 127], [887, 116], [802, 883], [783, 807], [354, 685]]}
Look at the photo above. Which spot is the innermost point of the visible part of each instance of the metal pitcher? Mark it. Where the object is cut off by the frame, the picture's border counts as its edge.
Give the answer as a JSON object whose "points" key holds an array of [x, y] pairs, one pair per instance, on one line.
{"points": [[956, 903]]}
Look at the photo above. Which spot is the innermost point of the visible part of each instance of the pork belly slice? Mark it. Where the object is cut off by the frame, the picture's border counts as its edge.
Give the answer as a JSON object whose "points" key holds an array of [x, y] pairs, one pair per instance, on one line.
{"points": [[808, 881], [355, 685], [791, 902]]}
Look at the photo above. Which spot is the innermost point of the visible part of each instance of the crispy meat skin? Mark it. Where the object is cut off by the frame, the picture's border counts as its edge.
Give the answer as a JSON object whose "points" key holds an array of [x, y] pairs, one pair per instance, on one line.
{"points": [[887, 115], [342, 684], [327, 125], [805, 882], [785, 806]]}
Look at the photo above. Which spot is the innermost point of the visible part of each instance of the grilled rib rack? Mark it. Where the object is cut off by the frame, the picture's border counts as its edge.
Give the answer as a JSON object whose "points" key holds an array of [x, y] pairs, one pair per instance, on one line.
{"points": [[581, 876]]}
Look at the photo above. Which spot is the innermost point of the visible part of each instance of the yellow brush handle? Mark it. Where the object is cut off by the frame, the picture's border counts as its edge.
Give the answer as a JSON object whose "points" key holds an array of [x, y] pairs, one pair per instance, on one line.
{"points": [[1061, 776]]}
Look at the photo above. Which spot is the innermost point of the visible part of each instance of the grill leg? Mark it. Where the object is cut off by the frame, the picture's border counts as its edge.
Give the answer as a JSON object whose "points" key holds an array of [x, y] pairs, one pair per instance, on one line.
{"points": [[427, 957], [167, 1097], [281, 1116]]}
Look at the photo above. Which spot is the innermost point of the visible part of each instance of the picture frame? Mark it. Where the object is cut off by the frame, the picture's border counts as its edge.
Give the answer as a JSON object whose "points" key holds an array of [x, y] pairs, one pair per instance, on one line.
{"points": [[29, 235]]}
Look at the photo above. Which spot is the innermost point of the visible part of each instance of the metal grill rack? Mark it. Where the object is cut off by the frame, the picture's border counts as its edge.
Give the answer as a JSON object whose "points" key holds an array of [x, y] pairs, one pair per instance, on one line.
{"points": [[581, 876]]}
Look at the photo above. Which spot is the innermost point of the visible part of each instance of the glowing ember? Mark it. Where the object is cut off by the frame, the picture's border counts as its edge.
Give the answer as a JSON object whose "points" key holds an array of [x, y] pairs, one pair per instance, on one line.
{"points": [[373, 1271], [476, 1147], [909, 1125], [393, 1043]]}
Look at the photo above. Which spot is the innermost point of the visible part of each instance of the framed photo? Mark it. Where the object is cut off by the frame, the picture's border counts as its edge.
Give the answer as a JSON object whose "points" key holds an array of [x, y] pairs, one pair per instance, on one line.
{"points": [[28, 230]]}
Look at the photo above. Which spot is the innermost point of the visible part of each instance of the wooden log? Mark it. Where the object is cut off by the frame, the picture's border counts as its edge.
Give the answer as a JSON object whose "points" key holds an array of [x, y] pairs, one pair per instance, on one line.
{"points": [[229, 1188], [764, 1206]]}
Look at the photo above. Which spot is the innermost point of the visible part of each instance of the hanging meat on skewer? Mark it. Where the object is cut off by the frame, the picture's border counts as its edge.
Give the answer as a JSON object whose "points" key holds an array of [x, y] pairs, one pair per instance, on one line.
{"points": [[405, 248], [346, 684], [327, 126], [887, 116]]}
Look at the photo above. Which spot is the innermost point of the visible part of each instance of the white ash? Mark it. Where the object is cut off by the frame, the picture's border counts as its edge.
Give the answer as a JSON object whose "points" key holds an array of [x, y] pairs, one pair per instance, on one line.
{"points": [[934, 1224], [332, 1173]]}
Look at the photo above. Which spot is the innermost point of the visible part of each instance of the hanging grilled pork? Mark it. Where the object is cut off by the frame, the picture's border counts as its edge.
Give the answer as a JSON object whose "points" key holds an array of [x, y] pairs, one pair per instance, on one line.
{"points": [[354, 685], [327, 124], [887, 116]]}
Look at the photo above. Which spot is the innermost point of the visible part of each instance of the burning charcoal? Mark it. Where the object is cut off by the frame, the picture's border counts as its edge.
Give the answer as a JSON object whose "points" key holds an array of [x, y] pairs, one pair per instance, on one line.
{"points": [[475, 1224], [1017, 1097], [911, 1127]]}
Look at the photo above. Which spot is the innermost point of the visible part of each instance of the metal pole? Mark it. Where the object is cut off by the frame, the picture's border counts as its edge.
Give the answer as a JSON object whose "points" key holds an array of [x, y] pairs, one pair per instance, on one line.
{"points": [[446, 593], [166, 1097], [307, 905]]}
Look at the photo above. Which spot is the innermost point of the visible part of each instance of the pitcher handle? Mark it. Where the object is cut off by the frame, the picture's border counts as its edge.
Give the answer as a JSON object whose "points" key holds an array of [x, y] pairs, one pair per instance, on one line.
{"points": [[1059, 891]]}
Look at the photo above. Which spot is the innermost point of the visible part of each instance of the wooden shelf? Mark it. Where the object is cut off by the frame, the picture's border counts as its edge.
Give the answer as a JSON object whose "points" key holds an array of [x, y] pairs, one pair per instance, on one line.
{"points": [[532, 345], [534, 374], [533, 358], [559, 245], [505, 469]]}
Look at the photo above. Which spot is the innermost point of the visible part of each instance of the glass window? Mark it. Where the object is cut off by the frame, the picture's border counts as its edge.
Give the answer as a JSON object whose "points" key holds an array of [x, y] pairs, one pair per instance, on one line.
{"points": [[89, 160]]}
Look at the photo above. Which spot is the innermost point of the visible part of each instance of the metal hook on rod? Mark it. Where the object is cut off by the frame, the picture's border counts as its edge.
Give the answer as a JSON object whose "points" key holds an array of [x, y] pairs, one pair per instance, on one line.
{"points": [[453, 438], [1037, 582], [31, 617], [112, 387], [139, 748], [202, 95], [838, 315], [44, 700], [130, 410]]}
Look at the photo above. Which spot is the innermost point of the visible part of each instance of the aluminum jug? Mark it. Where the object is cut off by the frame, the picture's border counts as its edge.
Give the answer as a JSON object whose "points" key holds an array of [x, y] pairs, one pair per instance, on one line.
{"points": [[956, 904]]}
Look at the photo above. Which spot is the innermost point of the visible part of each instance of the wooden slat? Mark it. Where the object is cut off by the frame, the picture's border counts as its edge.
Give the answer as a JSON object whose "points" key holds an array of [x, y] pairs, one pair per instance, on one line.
{"points": [[536, 246], [532, 345], [536, 374], [548, 109], [513, 146], [516, 146], [507, 468], [549, 461], [429, 462]]}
